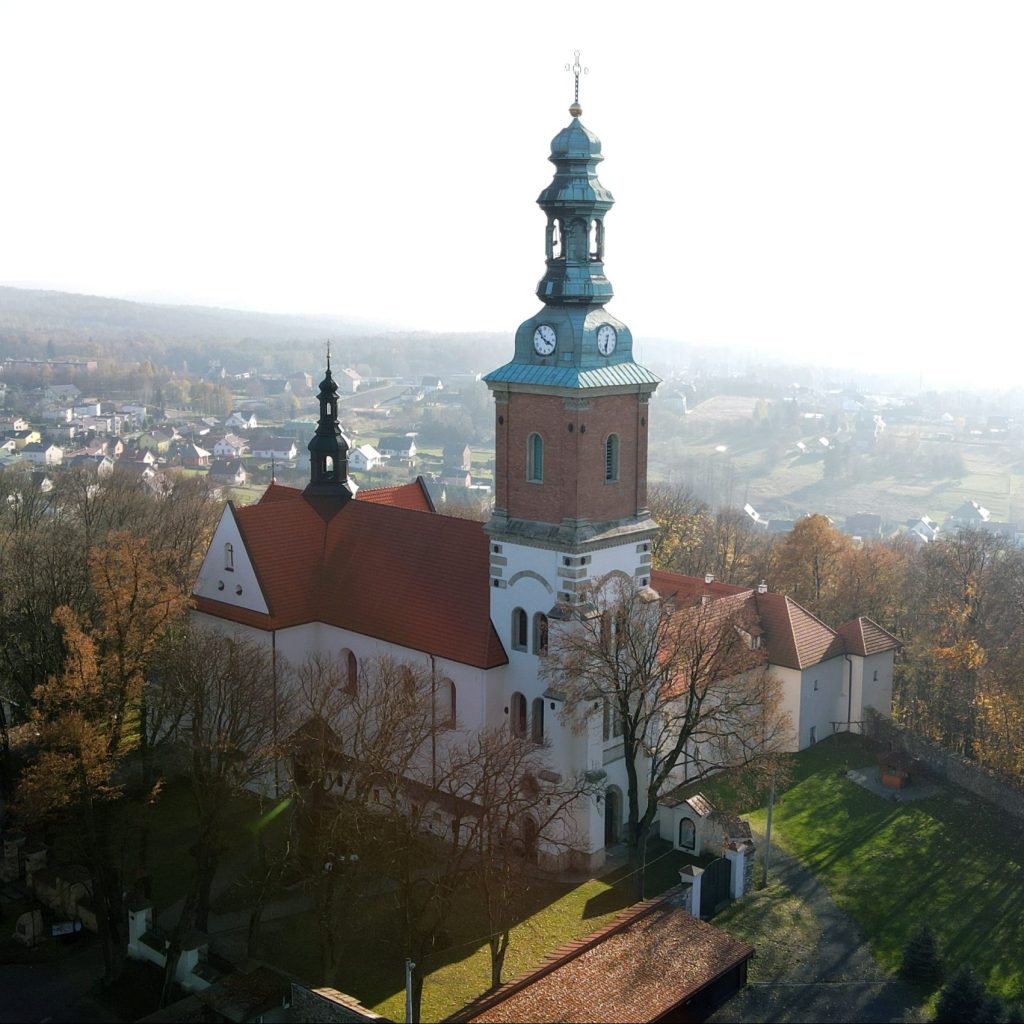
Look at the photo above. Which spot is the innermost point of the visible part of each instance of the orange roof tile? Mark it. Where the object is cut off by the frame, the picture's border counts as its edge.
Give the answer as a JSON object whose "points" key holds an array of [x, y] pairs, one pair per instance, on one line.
{"points": [[864, 636], [795, 638], [385, 570], [618, 973]]}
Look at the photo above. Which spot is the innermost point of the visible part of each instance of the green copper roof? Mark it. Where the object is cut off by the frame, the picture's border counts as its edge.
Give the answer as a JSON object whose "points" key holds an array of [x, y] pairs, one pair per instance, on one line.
{"points": [[572, 377], [574, 288]]}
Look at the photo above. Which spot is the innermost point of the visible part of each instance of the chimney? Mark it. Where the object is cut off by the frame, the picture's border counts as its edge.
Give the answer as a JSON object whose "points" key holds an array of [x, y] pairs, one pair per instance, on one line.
{"points": [[709, 577], [762, 587]]}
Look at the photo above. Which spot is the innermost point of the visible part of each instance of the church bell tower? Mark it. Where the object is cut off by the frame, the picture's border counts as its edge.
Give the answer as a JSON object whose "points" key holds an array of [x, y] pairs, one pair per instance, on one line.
{"points": [[571, 407], [328, 449]]}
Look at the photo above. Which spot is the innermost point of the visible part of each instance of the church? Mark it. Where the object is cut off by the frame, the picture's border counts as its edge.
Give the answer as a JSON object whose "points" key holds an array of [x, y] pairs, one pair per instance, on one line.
{"points": [[362, 573]]}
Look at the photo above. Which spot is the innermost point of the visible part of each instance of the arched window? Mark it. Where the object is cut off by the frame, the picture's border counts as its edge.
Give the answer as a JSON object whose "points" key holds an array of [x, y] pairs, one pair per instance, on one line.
{"points": [[328, 465], [535, 459], [611, 458], [537, 721], [606, 721], [540, 633], [408, 681], [519, 629], [351, 672], [444, 704], [229, 557], [518, 708], [687, 834]]}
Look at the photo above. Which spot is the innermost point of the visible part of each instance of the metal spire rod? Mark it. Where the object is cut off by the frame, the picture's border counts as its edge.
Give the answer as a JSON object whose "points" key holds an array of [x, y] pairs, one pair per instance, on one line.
{"points": [[577, 69], [328, 353]]}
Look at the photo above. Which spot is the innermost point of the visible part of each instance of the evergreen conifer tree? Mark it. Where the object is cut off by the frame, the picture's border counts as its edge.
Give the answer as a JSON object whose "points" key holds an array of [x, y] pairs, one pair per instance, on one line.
{"points": [[963, 999], [921, 959]]}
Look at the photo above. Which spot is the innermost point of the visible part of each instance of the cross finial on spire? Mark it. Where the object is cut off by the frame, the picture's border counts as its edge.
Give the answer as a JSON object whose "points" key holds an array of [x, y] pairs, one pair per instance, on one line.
{"points": [[577, 69], [328, 355]]}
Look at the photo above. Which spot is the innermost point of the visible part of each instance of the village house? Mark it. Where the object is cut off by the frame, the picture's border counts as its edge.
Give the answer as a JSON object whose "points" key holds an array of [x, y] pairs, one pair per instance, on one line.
{"points": [[365, 457], [228, 471], [397, 446], [231, 446], [282, 449], [40, 454], [242, 420]]}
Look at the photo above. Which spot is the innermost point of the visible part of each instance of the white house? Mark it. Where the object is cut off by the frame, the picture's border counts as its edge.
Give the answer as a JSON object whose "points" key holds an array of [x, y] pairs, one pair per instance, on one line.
{"points": [[349, 381], [242, 420], [474, 604], [397, 446], [231, 446], [364, 457], [43, 454], [281, 448]]}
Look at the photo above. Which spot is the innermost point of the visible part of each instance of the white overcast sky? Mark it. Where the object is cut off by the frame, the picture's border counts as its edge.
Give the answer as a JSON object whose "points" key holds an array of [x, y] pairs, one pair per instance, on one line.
{"points": [[831, 182]]}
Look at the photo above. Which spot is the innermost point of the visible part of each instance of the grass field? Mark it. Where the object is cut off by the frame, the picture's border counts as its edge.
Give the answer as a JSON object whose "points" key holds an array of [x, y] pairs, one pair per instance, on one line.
{"points": [[953, 860], [371, 964]]}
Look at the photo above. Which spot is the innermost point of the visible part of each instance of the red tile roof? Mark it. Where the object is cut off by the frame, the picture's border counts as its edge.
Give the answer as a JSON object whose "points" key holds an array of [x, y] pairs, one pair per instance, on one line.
{"points": [[414, 496], [619, 973], [864, 636], [793, 637], [391, 570]]}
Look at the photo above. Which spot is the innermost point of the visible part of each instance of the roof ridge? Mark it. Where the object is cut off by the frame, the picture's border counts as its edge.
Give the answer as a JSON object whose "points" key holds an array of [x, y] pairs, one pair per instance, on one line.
{"points": [[565, 953]]}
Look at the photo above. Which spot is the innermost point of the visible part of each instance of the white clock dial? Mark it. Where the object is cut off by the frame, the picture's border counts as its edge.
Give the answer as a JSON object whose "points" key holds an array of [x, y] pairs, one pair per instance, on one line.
{"points": [[606, 339], [544, 340]]}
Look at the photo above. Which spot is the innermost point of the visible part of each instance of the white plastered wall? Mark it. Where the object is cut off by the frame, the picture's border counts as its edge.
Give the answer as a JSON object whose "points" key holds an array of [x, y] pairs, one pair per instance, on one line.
{"points": [[237, 585]]}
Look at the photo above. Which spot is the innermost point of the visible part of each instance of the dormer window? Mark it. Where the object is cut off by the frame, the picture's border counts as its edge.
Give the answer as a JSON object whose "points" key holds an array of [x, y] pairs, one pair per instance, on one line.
{"points": [[229, 557]]}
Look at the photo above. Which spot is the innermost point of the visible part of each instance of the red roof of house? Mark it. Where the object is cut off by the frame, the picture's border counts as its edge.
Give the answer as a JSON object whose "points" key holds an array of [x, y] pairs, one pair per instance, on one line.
{"points": [[864, 636], [620, 973], [392, 570], [793, 637]]}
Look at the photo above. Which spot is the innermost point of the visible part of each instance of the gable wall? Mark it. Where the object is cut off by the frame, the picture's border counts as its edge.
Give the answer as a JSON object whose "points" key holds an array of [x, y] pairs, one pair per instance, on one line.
{"points": [[213, 572]]}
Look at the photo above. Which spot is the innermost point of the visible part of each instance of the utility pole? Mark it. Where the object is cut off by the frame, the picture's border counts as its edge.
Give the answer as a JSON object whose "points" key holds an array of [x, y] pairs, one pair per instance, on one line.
{"points": [[768, 834], [409, 966]]}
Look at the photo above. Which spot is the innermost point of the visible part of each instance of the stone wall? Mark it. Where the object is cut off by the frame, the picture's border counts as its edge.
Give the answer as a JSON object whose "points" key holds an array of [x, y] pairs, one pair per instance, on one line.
{"points": [[951, 767]]}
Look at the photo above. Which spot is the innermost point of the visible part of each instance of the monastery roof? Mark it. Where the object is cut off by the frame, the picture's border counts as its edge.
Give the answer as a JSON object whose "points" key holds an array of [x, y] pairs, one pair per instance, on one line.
{"points": [[864, 636], [793, 637], [618, 973], [383, 565]]}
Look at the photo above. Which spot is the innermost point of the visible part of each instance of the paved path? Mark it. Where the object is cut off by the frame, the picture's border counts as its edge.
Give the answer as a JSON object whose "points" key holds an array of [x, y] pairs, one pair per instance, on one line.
{"points": [[840, 981]]}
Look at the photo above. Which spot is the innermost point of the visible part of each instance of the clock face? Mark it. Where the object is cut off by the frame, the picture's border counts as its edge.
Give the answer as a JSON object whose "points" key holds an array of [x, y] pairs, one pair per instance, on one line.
{"points": [[544, 340], [606, 339]]}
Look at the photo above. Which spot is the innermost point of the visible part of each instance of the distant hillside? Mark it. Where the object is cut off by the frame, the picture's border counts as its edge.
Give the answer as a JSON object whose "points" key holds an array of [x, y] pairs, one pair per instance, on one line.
{"points": [[35, 324], [62, 312]]}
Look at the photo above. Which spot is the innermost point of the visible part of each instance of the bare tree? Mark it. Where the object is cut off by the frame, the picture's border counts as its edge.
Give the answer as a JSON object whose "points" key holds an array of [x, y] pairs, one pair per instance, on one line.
{"points": [[226, 691], [681, 678]]}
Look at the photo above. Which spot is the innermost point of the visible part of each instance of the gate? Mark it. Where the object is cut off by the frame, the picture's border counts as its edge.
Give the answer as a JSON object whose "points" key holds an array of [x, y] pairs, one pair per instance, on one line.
{"points": [[714, 886]]}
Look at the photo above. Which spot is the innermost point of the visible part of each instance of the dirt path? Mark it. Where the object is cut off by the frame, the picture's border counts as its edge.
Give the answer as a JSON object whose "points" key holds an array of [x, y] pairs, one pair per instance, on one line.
{"points": [[841, 980]]}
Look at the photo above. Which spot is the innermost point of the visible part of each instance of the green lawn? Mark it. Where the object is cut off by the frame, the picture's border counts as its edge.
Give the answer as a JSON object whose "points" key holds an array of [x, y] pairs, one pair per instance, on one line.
{"points": [[777, 924], [371, 965], [953, 860]]}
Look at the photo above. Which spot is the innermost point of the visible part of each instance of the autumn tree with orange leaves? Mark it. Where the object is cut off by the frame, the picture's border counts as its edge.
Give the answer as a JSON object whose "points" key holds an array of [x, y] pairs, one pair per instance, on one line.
{"points": [[87, 716]]}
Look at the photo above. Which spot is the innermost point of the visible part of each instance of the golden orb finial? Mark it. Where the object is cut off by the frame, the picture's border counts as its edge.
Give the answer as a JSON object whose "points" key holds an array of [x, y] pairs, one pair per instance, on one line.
{"points": [[575, 110]]}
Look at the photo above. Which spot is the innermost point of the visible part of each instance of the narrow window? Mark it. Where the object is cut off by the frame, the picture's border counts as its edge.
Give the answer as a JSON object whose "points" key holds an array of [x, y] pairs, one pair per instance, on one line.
{"points": [[518, 715], [814, 735], [535, 459], [540, 633], [611, 458], [606, 723], [328, 465], [444, 704], [537, 721], [875, 676], [815, 685], [408, 682], [351, 672], [519, 629], [229, 557]]}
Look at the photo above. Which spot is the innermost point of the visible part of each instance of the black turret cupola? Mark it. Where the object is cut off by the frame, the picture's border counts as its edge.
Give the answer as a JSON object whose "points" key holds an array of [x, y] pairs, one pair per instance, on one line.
{"points": [[328, 450]]}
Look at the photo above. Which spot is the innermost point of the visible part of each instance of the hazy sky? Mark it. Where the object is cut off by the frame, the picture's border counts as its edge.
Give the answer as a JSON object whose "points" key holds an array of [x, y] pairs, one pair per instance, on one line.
{"points": [[834, 182]]}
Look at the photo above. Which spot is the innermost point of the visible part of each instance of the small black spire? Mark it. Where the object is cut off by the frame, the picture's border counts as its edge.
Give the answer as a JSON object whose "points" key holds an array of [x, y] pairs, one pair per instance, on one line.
{"points": [[328, 450]]}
